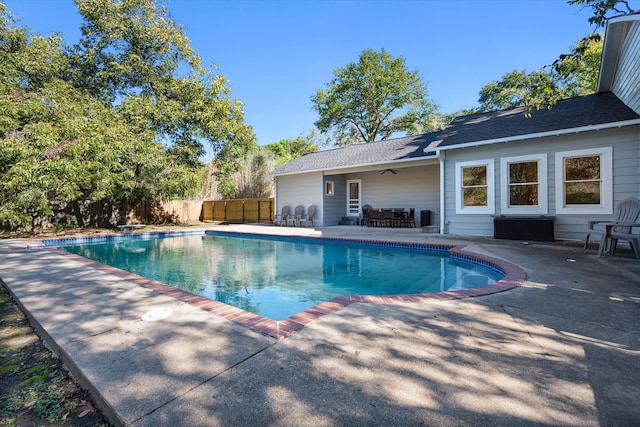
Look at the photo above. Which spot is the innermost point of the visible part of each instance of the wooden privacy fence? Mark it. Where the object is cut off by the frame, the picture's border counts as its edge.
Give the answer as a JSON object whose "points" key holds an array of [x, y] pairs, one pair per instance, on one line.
{"points": [[238, 211], [173, 211]]}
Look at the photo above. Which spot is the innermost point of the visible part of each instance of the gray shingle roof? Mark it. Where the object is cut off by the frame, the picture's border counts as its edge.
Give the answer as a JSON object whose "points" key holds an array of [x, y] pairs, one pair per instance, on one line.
{"points": [[590, 110], [570, 113], [389, 150]]}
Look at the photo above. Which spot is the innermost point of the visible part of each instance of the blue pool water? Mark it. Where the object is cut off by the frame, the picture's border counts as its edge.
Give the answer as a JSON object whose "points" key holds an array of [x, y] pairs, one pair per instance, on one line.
{"points": [[277, 278]]}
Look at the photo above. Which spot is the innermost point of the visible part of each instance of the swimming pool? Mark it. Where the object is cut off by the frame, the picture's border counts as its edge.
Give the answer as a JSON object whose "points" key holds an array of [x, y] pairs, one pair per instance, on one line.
{"points": [[277, 277]]}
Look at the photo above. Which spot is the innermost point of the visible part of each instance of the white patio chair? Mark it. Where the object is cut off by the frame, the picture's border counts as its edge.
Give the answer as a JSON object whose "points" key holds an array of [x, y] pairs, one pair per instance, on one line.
{"points": [[283, 217], [627, 211], [294, 219], [308, 218]]}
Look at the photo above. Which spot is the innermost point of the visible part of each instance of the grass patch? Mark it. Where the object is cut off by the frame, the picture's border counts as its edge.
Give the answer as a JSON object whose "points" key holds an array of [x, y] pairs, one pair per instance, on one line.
{"points": [[5, 298], [8, 367]]}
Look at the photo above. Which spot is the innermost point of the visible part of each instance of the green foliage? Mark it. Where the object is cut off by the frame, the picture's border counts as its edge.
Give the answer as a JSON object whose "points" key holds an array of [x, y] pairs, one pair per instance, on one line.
{"points": [[572, 77], [4, 298], [244, 172], [182, 182], [580, 62], [39, 392], [515, 89], [134, 55], [70, 148], [437, 121], [286, 150], [603, 9], [121, 116], [228, 162], [9, 367], [579, 70], [371, 100], [582, 53]]}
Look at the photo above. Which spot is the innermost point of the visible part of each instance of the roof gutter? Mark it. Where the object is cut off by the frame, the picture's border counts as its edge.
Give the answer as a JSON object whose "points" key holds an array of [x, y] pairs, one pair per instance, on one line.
{"points": [[543, 134]]}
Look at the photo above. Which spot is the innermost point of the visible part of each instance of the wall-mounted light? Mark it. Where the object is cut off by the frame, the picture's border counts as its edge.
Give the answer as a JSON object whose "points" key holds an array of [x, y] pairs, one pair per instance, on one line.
{"points": [[328, 188]]}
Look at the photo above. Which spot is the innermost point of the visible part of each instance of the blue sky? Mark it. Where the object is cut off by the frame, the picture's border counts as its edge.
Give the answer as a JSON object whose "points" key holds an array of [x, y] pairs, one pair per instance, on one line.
{"points": [[276, 54]]}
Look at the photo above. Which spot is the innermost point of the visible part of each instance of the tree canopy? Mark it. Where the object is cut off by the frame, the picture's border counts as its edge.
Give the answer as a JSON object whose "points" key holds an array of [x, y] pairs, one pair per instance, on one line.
{"points": [[371, 100], [122, 116], [572, 74], [135, 57], [518, 88], [286, 150], [603, 10], [580, 59]]}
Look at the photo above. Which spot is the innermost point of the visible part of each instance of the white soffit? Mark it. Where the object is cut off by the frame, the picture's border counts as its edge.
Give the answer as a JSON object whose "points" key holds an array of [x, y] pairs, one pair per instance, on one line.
{"points": [[615, 34]]}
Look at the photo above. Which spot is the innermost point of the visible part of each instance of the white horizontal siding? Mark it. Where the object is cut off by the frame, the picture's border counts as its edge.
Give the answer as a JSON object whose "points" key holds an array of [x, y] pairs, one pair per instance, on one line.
{"points": [[627, 79], [303, 189], [626, 181]]}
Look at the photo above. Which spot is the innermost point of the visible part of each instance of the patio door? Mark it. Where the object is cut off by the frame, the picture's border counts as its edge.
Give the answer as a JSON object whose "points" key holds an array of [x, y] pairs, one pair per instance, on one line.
{"points": [[353, 197]]}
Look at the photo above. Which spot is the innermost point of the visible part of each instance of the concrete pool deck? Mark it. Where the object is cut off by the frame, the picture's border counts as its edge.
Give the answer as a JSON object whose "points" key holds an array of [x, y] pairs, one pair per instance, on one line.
{"points": [[561, 349]]}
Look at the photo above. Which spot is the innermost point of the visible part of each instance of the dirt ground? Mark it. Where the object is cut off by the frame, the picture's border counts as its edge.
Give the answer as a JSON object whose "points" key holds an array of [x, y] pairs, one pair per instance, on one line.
{"points": [[35, 389]]}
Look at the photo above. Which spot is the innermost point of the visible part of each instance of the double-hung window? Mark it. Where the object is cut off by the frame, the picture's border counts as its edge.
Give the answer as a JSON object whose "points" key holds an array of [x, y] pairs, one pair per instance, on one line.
{"points": [[584, 181], [475, 187], [524, 184]]}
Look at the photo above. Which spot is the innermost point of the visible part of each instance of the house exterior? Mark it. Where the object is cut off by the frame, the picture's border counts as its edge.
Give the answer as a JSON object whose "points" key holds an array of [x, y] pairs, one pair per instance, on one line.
{"points": [[572, 163]]}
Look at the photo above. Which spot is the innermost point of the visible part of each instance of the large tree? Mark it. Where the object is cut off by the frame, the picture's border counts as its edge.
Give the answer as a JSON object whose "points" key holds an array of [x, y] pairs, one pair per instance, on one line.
{"points": [[120, 117], [438, 121], [252, 179], [242, 174], [514, 89], [372, 100], [582, 53], [133, 55], [286, 150], [61, 148], [576, 77]]}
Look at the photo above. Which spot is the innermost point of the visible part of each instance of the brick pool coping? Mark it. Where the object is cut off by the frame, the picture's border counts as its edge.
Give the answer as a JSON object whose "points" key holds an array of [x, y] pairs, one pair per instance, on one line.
{"points": [[513, 277]]}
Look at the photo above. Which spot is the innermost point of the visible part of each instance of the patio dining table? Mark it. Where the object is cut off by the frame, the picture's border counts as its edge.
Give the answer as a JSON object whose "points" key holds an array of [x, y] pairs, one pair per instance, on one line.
{"points": [[392, 217]]}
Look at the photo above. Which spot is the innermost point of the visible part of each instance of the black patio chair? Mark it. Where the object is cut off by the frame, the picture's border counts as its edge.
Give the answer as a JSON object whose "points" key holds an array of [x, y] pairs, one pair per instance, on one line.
{"points": [[408, 219], [386, 217]]}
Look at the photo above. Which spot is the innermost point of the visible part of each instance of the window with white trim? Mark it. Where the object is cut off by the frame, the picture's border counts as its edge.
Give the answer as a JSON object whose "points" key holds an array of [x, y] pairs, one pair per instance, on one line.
{"points": [[475, 187], [584, 181], [523, 187]]}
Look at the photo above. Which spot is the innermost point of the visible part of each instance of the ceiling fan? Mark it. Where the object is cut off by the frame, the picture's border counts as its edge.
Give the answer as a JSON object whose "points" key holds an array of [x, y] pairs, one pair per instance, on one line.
{"points": [[393, 171]]}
